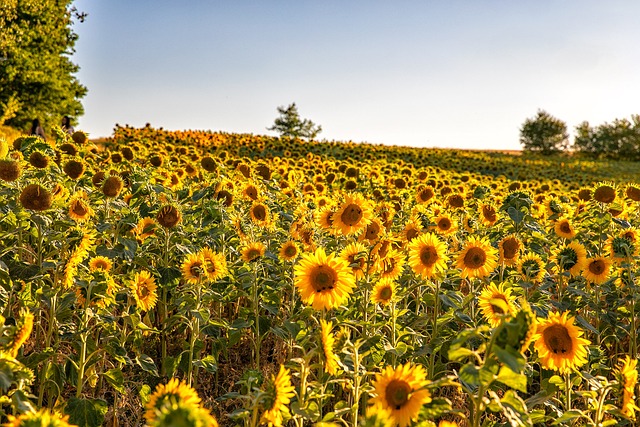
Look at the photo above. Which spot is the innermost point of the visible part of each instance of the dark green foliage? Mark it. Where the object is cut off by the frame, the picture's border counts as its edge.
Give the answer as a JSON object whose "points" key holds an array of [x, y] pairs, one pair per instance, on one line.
{"points": [[290, 124], [36, 74], [544, 134], [617, 140]]}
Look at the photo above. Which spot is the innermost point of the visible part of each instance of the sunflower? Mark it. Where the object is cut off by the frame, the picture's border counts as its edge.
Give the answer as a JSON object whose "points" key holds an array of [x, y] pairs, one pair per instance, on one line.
{"points": [[531, 268], [373, 231], [279, 392], [428, 255], [384, 291], [164, 394], [35, 198], [193, 269], [496, 303], [215, 264], [509, 250], [633, 192], [324, 217], [100, 263], [445, 224], [558, 343], [624, 279], [22, 333], [289, 251], [411, 230], [571, 258], [112, 186], [488, 214], [260, 214], [604, 192], [627, 375], [597, 270], [355, 254], [146, 227], [563, 228], [253, 251], [43, 417], [144, 290], [477, 258], [250, 192], [10, 170], [324, 281], [391, 266], [168, 216], [79, 208], [328, 340], [425, 194], [353, 215], [401, 391]]}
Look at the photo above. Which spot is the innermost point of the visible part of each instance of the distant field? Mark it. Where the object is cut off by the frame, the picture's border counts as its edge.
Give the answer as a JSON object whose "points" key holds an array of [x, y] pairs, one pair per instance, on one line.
{"points": [[286, 282]]}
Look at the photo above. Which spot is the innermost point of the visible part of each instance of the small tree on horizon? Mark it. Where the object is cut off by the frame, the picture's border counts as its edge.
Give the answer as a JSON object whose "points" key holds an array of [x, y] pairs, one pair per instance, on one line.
{"points": [[544, 134], [290, 124]]}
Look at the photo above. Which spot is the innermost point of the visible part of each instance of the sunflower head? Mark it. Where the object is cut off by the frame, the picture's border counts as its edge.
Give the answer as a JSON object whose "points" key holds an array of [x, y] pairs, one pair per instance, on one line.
{"points": [[253, 251], [35, 198], [215, 264], [559, 344], [597, 270], [277, 396], [604, 192], [531, 268], [518, 331], [627, 375], [169, 216], [509, 249], [170, 396], [384, 292], [496, 304], [402, 392], [353, 215], [43, 417], [563, 228], [478, 258], [100, 263], [633, 192], [194, 269], [328, 341], [143, 287], [428, 255], [571, 258]]}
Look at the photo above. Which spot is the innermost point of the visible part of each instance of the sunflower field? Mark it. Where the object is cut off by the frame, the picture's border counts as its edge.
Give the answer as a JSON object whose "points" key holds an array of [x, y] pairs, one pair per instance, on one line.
{"points": [[186, 278]]}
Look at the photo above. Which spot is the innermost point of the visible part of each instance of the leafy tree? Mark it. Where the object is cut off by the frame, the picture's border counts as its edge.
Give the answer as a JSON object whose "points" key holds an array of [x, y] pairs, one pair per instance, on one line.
{"points": [[290, 124], [544, 133], [36, 74], [617, 140]]}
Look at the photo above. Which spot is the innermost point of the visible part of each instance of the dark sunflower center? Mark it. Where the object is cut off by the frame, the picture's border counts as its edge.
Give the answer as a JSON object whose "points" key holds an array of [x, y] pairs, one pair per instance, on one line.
{"points": [[557, 339], [604, 194], [475, 258], [79, 208], [444, 224], [565, 227], [352, 215], [426, 194], [412, 233], [253, 254], [290, 251], [456, 201], [489, 213], [397, 393], [259, 212], [510, 248], [497, 305], [428, 256], [597, 267], [252, 193], [372, 231], [386, 293], [323, 278], [143, 291], [195, 269]]}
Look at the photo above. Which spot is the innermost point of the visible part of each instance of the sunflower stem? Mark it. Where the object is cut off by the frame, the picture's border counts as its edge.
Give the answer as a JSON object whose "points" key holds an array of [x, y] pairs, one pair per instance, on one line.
{"points": [[434, 333], [567, 394], [256, 311]]}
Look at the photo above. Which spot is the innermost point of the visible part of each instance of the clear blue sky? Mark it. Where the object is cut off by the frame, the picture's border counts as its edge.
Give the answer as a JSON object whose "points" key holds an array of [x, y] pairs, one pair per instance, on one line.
{"points": [[448, 73]]}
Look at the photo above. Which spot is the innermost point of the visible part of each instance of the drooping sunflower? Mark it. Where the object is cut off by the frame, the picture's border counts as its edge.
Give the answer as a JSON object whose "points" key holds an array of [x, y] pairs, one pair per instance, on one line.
{"points": [[627, 375], [355, 254], [23, 330], [571, 258], [559, 343], [531, 268], [79, 208], [193, 269], [164, 394], [146, 227], [100, 263], [477, 258], [168, 216], [324, 281], [279, 392], [624, 246], [384, 291], [597, 270], [425, 194], [488, 214], [496, 303], [353, 215], [215, 264], [373, 231], [44, 417], [563, 228], [112, 186], [391, 265], [428, 255], [324, 217], [411, 230], [253, 251], [328, 340], [509, 250], [35, 198], [633, 192], [402, 392], [144, 288]]}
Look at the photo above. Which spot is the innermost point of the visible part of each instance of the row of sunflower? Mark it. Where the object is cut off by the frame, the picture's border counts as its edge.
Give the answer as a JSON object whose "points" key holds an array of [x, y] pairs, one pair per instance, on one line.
{"points": [[191, 278]]}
